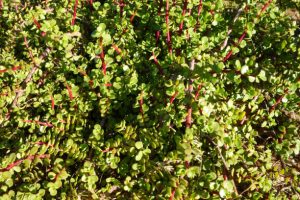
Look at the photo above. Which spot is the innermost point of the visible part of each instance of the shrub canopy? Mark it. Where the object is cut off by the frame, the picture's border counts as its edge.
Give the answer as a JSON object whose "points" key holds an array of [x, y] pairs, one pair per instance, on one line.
{"points": [[181, 99]]}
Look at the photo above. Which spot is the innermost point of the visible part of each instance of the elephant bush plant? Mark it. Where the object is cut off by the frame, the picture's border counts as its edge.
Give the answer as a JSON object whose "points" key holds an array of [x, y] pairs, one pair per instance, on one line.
{"points": [[149, 99]]}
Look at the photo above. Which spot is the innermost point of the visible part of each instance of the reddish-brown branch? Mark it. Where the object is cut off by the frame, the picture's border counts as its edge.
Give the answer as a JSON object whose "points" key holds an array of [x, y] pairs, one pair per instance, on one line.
{"points": [[157, 64], [187, 31], [199, 12], [14, 68], [74, 13], [227, 56], [168, 28], [41, 143], [157, 35], [90, 2], [48, 124], [264, 8], [28, 77], [243, 120], [183, 14], [122, 5], [172, 194], [198, 92], [29, 50], [132, 17], [37, 24], [242, 37], [188, 122], [4, 94], [173, 97], [200, 7], [117, 49], [102, 57], [278, 101], [70, 91], [18, 162], [57, 175], [187, 164]]}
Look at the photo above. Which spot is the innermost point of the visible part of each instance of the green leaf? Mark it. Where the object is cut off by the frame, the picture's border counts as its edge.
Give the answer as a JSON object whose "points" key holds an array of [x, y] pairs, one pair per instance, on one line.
{"points": [[139, 156], [262, 75], [139, 145], [135, 166], [251, 79], [244, 69], [53, 191]]}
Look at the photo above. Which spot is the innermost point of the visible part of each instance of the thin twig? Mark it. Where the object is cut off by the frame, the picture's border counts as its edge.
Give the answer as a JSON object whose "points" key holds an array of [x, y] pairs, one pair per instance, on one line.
{"points": [[230, 30], [28, 78], [224, 163]]}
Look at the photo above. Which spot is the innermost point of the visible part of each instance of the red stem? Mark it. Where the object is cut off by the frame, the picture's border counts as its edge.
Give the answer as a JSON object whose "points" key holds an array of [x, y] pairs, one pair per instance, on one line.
{"points": [[189, 117], [157, 64], [104, 67], [168, 29], [132, 17], [40, 143], [74, 13], [57, 175], [3, 94], [121, 4], [183, 14], [172, 194], [91, 5], [18, 162], [243, 120], [38, 25], [173, 97], [198, 92], [116, 48], [278, 101], [265, 7], [14, 68], [102, 55], [199, 7], [27, 46], [199, 12], [228, 56], [187, 164], [157, 35], [242, 36], [69, 91], [48, 124]]}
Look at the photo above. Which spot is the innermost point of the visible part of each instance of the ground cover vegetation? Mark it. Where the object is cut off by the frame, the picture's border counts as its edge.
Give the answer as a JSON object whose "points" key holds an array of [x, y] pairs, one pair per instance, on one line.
{"points": [[149, 99]]}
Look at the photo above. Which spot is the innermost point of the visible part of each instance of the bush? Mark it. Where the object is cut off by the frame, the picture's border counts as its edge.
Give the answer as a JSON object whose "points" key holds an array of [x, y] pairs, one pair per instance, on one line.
{"points": [[136, 99]]}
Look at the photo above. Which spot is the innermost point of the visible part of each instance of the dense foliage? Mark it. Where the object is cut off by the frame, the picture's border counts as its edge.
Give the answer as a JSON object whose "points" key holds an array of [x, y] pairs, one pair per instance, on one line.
{"points": [[181, 99]]}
